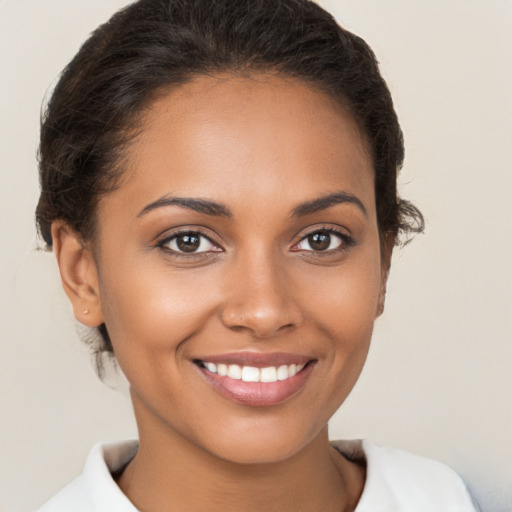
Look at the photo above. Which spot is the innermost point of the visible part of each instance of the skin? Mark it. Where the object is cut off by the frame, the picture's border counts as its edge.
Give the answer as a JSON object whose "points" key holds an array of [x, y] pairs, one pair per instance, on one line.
{"points": [[260, 146]]}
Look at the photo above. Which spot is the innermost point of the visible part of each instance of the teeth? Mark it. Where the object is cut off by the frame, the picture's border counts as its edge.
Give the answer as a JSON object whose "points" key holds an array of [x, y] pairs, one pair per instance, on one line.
{"points": [[212, 367], [252, 374], [234, 372], [282, 372], [268, 374]]}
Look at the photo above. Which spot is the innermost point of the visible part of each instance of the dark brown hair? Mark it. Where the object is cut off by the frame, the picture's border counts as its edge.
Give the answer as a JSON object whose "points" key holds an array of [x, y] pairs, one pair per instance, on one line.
{"points": [[153, 45]]}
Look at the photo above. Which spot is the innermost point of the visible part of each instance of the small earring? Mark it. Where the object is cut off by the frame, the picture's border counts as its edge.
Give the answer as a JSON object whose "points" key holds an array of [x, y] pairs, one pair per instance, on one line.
{"points": [[86, 311]]}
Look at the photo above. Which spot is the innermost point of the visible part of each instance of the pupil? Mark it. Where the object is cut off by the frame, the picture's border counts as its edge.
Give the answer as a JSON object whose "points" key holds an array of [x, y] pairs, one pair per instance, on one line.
{"points": [[188, 243], [319, 241]]}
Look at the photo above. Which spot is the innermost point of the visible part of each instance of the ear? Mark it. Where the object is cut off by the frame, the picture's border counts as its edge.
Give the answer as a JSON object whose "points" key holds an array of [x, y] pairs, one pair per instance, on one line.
{"points": [[387, 245], [79, 274]]}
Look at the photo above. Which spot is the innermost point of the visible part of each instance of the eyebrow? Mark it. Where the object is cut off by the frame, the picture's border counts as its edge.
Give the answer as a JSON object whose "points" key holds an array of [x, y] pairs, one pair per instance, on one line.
{"points": [[213, 208], [199, 205], [324, 202]]}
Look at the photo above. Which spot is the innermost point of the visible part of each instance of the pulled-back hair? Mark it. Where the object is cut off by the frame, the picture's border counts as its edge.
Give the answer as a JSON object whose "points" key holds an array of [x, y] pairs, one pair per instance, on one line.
{"points": [[151, 46]]}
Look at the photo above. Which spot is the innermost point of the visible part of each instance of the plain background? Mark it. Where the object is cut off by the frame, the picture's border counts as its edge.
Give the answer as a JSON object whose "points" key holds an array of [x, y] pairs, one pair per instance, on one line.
{"points": [[438, 381]]}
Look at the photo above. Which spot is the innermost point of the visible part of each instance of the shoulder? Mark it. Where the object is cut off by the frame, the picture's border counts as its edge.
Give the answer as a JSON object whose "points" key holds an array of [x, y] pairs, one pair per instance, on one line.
{"points": [[399, 481], [95, 490]]}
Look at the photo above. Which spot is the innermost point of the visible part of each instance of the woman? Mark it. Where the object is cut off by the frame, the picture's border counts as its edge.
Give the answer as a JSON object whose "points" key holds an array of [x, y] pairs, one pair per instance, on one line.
{"points": [[219, 188]]}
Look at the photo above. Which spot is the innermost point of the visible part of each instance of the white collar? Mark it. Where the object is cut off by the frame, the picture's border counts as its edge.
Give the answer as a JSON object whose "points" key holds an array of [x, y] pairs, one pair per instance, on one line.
{"points": [[395, 481]]}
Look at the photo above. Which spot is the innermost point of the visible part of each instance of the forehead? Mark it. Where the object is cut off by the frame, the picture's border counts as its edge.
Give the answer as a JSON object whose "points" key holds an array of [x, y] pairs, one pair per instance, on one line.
{"points": [[227, 136]]}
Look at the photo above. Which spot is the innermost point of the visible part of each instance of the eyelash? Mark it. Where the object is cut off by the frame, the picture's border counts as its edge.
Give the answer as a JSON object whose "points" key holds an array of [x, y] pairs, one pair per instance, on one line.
{"points": [[163, 244], [346, 242]]}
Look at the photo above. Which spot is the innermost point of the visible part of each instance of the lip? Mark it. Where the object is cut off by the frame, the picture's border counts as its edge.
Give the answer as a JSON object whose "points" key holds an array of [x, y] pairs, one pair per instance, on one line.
{"points": [[257, 359], [257, 394]]}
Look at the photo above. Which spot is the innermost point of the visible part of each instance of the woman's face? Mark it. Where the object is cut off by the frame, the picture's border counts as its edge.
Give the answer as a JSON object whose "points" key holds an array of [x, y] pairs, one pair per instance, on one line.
{"points": [[242, 242]]}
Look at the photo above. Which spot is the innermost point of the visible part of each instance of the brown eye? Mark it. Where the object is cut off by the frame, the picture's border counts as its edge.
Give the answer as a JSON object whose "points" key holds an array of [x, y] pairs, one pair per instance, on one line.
{"points": [[191, 242], [188, 243], [321, 241]]}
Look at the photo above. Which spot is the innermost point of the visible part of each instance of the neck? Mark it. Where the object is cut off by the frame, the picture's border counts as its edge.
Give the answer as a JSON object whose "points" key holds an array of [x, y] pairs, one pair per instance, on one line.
{"points": [[171, 473]]}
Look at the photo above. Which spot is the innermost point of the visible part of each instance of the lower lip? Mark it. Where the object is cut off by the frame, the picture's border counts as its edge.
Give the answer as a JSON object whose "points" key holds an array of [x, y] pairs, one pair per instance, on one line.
{"points": [[258, 394]]}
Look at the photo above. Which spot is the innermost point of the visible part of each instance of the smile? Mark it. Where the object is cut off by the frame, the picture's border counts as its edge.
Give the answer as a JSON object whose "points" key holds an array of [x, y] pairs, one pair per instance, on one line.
{"points": [[253, 374], [256, 379]]}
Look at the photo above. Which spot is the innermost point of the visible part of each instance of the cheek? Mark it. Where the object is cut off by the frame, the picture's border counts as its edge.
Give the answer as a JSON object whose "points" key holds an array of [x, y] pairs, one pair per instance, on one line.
{"points": [[154, 310], [346, 302], [344, 307]]}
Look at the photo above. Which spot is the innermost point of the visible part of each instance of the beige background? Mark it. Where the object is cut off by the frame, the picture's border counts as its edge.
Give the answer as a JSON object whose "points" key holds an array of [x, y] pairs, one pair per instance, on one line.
{"points": [[439, 378]]}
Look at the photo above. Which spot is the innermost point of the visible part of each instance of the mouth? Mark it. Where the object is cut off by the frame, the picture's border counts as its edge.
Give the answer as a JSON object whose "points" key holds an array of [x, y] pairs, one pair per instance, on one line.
{"points": [[252, 373], [251, 379]]}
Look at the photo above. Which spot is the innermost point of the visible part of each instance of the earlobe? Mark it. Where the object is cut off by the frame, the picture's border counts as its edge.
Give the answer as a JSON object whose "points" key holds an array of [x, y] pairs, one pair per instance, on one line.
{"points": [[78, 273]]}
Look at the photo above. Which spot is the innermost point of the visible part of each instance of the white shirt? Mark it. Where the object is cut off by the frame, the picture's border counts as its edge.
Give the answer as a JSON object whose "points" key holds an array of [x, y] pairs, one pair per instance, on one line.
{"points": [[396, 481]]}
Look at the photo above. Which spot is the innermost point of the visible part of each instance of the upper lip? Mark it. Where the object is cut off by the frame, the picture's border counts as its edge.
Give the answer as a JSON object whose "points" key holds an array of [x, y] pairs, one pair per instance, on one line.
{"points": [[257, 359]]}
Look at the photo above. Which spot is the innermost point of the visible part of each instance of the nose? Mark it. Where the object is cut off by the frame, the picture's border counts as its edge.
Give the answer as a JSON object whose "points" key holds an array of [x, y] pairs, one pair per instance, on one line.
{"points": [[260, 298]]}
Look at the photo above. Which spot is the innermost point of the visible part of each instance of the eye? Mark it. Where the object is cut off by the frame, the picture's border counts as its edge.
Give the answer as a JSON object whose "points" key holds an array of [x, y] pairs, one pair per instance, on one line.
{"points": [[189, 242], [323, 240]]}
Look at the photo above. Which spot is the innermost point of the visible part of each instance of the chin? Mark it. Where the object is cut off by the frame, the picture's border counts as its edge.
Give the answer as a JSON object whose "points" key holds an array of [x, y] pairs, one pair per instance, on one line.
{"points": [[263, 441], [256, 451]]}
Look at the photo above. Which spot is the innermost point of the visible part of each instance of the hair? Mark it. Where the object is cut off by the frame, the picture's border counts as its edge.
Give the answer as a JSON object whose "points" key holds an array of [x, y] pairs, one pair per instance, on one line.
{"points": [[151, 46]]}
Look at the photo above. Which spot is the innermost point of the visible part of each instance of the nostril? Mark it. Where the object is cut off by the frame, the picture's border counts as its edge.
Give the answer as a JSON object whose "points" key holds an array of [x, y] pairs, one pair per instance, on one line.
{"points": [[263, 314], [260, 327]]}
